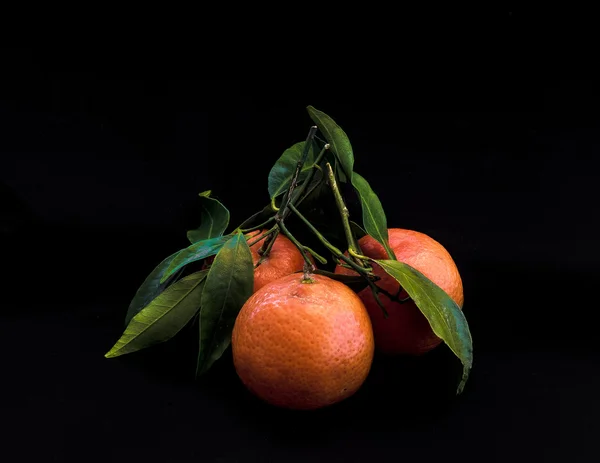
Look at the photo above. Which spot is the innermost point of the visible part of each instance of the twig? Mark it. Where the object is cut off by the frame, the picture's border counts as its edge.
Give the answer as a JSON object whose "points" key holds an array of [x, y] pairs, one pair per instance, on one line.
{"points": [[287, 200], [257, 227], [265, 234], [352, 246], [392, 297], [288, 197], [301, 248]]}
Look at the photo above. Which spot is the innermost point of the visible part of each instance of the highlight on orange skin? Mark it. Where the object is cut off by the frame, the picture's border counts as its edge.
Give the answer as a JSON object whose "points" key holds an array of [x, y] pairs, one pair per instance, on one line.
{"points": [[303, 345]]}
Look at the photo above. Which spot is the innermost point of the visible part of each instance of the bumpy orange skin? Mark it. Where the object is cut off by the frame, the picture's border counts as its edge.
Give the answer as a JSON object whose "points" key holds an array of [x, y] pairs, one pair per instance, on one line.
{"points": [[406, 330], [303, 345], [283, 259]]}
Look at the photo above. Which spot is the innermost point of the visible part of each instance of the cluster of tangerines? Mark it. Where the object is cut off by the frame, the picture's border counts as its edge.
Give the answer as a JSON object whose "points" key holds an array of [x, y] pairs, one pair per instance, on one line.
{"points": [[307, 343], [301, 337]]}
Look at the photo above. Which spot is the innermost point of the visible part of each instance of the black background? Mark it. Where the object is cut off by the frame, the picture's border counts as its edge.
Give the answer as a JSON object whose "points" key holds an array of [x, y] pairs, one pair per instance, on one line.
{"points": [[99, 181]]}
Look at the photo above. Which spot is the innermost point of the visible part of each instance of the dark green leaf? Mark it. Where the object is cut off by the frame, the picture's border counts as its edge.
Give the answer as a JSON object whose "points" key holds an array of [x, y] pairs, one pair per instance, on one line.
{"points": [[228, 286], [282, 172], [339, 173], [193, 253], [332, 159], [164, 317], [151, 287], [214, 219], [315, 189], [374, 218], [445, 317], [336, 137]]}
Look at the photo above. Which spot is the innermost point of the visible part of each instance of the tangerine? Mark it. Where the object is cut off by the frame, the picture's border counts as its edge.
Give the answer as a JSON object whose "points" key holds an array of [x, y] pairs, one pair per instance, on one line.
{"points": [[303, 345], [283, 259], [406, 330]]}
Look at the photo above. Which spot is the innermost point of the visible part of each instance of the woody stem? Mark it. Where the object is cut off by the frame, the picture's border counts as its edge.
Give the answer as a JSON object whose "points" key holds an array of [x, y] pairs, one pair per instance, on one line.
{"points": [[287, 200], [335, 251], [352, 246], [308, 265]]}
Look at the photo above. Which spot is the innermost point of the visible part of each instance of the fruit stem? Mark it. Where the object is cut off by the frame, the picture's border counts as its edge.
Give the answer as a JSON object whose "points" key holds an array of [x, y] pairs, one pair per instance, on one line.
{"points": [[375, 289], [335, 251], [264, 252], [357, 255], [282, 212], [288, 197], [273, 232], [316, 256], [257, 227], [352, 246], [273, 205], [299, 198], [265, 234], [364, 271], [301, 248]]}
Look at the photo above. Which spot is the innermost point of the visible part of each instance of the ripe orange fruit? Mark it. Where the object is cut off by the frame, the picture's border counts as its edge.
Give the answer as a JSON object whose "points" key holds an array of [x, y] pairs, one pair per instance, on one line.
{"points": [[303, 345], [406, 330], [284, 258]]}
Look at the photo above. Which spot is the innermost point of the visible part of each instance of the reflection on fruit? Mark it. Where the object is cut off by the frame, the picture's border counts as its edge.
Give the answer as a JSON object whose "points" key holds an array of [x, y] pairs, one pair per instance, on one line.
{"points": [[303, 345]]}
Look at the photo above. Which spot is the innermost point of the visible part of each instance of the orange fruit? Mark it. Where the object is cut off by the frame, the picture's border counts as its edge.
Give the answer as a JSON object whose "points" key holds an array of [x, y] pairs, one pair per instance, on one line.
{"points": [[302, 345], [406, 330], [284, 258]]}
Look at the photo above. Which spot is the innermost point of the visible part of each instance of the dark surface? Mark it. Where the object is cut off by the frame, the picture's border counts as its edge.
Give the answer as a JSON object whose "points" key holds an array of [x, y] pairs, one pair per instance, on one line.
{"points": [[99, 181]]}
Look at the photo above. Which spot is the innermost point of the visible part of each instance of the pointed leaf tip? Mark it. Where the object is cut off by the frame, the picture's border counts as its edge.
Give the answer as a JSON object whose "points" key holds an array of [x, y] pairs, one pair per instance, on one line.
{"points": [[336, 137], [152, 286], [445, 317], [163, 318], [214, 219], [228, 285]]}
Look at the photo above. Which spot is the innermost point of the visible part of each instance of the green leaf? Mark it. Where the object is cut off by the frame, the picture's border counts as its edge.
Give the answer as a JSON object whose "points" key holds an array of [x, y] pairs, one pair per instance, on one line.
{"points": [[197, 251], [332, 159], [374, 218], [228, 285], [150, 288], [214, 219], [282, 172], [338, 171], [444, 315], [164, 317], [314, 190], [336, 137]]}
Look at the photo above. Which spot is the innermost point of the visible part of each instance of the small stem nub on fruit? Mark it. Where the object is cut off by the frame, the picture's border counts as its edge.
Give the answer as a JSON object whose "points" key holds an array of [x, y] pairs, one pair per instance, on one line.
{"points": [[363, 270], [307, 273]]}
